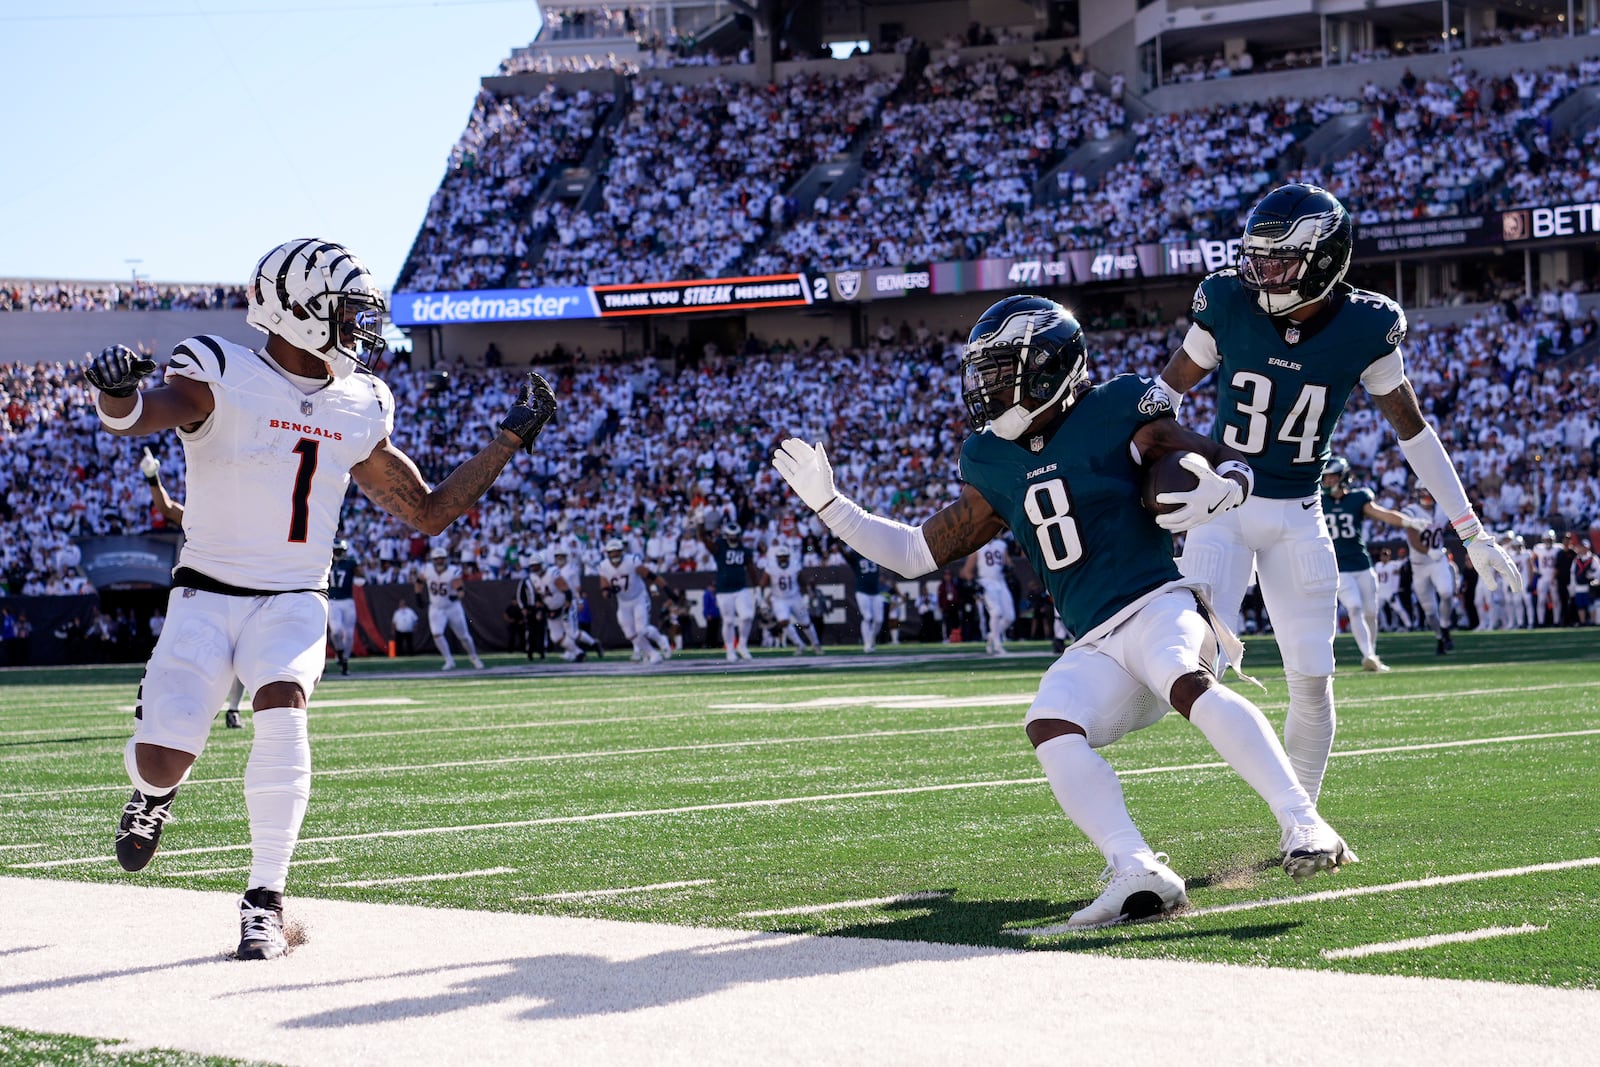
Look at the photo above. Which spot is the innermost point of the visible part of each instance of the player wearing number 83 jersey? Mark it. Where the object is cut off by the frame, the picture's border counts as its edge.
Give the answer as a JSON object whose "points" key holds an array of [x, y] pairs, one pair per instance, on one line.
{"points": [[1059, 462]]}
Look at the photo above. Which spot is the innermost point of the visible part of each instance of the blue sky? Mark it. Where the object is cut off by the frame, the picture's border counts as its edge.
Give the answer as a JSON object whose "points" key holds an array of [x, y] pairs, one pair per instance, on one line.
{"points": [[196, 134]]}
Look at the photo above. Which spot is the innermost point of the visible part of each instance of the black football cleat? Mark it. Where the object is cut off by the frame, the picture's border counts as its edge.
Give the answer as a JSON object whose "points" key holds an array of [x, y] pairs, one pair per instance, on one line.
{"points": [[139, 829], [261, 926], [232, 720]]}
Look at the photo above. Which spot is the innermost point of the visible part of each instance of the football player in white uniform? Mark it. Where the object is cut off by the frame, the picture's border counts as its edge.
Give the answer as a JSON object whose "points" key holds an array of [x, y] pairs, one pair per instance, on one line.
{"points": [[1546, 595], [445, 586], [566, 565], [780, 577], [625, 578], [1519, 609], [1388, 571], [1433, 573], [552, 591], [273, 438], [988, 565]]}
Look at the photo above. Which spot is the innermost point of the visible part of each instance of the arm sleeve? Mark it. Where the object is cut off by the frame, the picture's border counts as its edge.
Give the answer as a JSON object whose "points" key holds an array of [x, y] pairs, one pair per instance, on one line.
{"points": [[1202, 347], [901, 548], [1426, 454], [1384, 374]]}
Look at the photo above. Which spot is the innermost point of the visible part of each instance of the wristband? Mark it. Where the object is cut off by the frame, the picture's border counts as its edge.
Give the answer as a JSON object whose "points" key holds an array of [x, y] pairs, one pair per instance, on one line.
{"points": [[1467, 526], [120, 422], [1233, 466]]}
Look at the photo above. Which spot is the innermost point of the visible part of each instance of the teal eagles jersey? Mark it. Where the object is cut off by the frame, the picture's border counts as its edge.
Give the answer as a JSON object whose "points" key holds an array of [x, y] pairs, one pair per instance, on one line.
{"points": [[1074, 506], [342, 579], [1347, 525], [1282, 385], [730, 557], [866, 573]]}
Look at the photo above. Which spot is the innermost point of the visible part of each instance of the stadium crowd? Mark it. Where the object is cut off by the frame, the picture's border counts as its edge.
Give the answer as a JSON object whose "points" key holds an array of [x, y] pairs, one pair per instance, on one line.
{"points": [[134, 295], [645, 444]]}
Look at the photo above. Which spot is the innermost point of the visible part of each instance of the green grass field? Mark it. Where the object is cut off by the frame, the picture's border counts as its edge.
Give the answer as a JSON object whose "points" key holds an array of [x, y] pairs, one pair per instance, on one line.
{"points": [[896, 799]]}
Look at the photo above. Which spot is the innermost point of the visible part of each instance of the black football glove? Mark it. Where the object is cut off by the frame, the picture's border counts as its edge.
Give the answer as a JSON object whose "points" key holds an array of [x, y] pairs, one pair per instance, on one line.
{"points": [[535, 406], [116, 371]]}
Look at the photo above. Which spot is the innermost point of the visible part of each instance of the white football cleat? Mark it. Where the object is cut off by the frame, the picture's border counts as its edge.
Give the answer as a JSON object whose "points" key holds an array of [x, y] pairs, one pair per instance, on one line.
{"points": [[653, 658], [1133, 893], [1309, 848], [1375, 665]]}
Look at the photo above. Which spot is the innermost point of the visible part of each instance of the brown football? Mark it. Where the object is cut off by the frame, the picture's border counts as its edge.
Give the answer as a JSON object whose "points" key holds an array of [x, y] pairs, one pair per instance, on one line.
{"points": [[1166, 475]]}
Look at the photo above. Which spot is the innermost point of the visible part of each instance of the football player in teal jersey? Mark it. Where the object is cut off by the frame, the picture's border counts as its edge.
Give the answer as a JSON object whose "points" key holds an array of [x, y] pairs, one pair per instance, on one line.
{"points": [[1346, 509], [1289, 341], [1060, 463]]}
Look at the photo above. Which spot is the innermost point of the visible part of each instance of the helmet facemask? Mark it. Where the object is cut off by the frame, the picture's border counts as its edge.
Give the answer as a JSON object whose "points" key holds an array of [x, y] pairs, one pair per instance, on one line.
{"points": [[1296, 247]]}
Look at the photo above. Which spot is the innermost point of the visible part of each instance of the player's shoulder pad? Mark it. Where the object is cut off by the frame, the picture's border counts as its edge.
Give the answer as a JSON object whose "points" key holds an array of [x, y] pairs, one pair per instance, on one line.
{"points": [[1215, 287], [1144, 395], [1379, 314], [204, 357]]}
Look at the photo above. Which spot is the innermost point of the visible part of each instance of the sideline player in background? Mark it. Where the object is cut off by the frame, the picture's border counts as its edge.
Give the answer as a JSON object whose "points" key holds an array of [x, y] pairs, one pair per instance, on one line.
{"points": [[570, 571], [869, 597], [1546, 595], [1433, 572], [272, 438], [780, 576], [445, 585], [172, 511], [625, 578], [1289, 341], [343, 577], [1059, 462], [1346, 509], [736, 601], [988, 566]]}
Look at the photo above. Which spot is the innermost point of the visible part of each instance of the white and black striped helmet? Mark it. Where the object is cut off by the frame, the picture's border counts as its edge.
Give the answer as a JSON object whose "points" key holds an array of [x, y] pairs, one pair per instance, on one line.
{"points": [[319, 297]]}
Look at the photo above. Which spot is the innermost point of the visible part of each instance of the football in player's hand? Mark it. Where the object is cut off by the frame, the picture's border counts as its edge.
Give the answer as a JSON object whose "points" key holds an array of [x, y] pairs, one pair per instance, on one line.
{"points": [[1166, 475]]}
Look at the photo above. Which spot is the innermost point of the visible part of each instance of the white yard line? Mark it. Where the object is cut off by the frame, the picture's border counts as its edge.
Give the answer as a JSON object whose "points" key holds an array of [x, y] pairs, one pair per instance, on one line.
{"points": [[1342, 894], [627, 891], [244, 870], [757, 803], [367, 883], [843, 905], [8, 848], [1431, 941]]}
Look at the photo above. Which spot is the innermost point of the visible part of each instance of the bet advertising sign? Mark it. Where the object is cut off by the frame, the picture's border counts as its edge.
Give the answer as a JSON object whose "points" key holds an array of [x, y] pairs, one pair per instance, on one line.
{"points": [[1561, 222], [491, 305]]}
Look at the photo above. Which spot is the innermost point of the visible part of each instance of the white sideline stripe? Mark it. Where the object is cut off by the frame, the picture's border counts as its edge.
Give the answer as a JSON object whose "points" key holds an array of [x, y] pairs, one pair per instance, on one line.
{"points": [[237, 870], [6, 848], [586, 894], [1431, 941], [843, 905], [367, 883]]}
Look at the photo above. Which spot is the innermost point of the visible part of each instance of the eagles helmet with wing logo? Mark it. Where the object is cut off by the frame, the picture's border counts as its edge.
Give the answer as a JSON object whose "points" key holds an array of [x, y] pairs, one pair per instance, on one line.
{"points": [[1296, 247], [1025, 355], [1336, 475], [320, 298]]}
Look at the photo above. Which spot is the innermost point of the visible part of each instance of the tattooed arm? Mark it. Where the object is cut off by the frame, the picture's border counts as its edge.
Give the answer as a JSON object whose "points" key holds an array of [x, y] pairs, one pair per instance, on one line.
{"points": [[962, 528], [391, 481]]}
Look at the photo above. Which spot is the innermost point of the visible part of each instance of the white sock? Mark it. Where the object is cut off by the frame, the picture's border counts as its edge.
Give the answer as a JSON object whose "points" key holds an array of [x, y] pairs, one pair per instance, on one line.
{"points": [[1088, 791], [277, 784], [1361, 627], [1241, 735], [235, 694], [1308, 731], [442, 643]]}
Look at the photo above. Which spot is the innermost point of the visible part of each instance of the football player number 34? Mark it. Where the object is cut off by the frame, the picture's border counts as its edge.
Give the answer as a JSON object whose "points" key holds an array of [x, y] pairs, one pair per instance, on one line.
{"points": [[1299, 429], [300, 501], [1050, 510]]}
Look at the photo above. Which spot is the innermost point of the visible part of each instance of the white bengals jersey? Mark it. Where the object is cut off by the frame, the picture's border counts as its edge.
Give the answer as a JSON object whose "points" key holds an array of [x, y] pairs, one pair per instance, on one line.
{"points": [[1544, 559], [623, 578], [573, 573], [992, 562], [544, 587], [269, 467], [441, 586], [1430, 540], [785, 580]]}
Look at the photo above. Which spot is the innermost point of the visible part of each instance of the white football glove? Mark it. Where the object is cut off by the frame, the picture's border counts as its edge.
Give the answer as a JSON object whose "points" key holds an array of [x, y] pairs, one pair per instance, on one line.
{"points": [[149, 466], [1214, 495], [807, 471], [1412, 522], [1492, 563]]}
